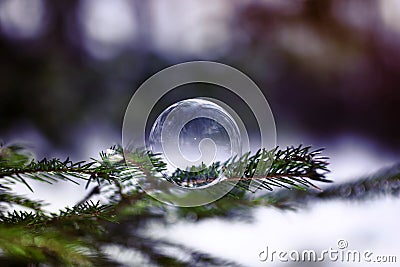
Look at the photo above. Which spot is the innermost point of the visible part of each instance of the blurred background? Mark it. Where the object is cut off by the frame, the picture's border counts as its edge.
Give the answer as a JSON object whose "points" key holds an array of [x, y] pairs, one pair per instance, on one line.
{"points": [[329, 69]]}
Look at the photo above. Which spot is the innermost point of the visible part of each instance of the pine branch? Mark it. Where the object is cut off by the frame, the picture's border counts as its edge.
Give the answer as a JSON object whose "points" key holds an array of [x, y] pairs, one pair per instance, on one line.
{"points": [[164, 253], [385, 182], [293, 167], [84, 212], [15, 199], [51, 170], [89, 222], [21, 245]]}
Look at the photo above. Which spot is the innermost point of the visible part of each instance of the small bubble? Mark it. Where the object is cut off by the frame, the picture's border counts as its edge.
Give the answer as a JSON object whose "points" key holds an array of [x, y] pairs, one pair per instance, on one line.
{"points": [[194, 134]]}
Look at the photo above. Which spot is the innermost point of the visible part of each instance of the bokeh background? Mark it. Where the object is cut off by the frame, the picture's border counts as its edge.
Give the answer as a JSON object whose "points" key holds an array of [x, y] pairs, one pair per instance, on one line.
{"points": [[329, 69]]}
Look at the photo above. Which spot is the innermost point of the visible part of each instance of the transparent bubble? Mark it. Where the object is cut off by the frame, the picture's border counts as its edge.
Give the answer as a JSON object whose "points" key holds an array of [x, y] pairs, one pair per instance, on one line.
{"points": [[195, 135]]}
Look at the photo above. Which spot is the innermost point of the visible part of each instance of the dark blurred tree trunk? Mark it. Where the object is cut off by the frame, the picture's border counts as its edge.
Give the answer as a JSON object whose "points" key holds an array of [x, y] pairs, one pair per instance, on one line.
{"points": [[64, 36]]}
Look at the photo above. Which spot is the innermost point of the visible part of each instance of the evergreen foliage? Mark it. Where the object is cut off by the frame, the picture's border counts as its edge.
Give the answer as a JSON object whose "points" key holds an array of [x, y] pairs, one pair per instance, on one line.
{"points": [[85, 234]]}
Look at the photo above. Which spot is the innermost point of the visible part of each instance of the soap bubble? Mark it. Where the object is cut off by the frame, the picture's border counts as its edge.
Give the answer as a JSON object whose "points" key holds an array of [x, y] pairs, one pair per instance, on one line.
{"points": [[195, 134], [201, 136]]}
